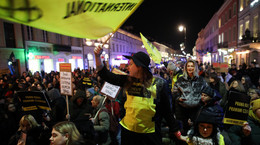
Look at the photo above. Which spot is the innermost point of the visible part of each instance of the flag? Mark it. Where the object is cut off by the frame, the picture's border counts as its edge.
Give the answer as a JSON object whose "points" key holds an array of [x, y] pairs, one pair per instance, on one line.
{"points": [[152, 50], [76, 18]]}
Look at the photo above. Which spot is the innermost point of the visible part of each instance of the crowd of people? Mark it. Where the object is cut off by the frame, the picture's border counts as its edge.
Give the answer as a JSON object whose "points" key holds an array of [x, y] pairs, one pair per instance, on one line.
{"points": [[189, 99]]}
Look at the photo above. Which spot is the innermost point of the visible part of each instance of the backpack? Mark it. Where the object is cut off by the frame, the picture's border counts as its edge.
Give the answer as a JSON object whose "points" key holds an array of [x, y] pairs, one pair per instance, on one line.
{"points": [[114, 123]]}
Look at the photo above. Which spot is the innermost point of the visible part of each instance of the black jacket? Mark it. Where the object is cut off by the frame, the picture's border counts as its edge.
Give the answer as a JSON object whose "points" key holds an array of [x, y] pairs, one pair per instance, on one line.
{"points": [[162, 101]]}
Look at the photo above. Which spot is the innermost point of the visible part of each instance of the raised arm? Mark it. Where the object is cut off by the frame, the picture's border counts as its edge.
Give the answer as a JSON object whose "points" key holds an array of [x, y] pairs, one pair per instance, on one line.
{"points": [[98, 51]]}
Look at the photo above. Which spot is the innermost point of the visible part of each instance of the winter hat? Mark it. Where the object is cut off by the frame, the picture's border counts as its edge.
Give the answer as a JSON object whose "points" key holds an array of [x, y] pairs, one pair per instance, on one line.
{"points": [[80, 93], [209, 91], [256, 104], [207, 117], [171, 66]]}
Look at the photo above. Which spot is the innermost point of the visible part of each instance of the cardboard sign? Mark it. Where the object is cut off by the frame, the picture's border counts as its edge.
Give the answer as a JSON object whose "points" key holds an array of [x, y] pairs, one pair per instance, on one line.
{"points": [[33, 101], [65, 79], [110, 90], [237, 109], [221, 67]]}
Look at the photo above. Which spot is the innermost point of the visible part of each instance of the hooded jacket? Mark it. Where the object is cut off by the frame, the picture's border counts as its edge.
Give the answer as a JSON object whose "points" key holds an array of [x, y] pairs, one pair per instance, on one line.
{"points": [[101, 124], [190, 89]]}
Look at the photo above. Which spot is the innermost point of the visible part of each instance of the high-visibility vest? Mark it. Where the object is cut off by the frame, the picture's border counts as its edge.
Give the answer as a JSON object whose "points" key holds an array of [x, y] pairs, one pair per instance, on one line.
{"points": [[175, 78], [87, 81], [140, 109]]}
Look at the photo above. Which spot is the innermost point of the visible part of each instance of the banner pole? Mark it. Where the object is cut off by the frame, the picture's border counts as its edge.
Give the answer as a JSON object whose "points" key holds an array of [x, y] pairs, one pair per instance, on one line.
{"points": [[107, 39], [68, 111]]}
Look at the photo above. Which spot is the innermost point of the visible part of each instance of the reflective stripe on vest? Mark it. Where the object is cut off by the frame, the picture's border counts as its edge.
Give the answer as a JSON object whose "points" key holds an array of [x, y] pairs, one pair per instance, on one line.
{"points": [[140, 111]]}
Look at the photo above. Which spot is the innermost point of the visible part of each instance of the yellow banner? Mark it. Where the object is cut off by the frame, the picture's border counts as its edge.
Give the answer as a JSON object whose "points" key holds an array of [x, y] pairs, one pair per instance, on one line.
{"points": [[233, 121], [152, 50], [76, 18], [117, 71]]}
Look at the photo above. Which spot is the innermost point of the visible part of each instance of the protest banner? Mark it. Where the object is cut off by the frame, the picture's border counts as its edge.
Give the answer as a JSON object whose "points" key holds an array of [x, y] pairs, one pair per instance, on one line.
{"points": [[76, 18], [110, 90], [237, 109], [65, 79], [33, 100], [152, 50]]}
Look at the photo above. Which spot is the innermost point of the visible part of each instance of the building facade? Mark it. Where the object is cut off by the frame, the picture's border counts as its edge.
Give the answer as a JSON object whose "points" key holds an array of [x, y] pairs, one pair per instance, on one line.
{"points": [[227, 39], [249, 34], [38, 50]]}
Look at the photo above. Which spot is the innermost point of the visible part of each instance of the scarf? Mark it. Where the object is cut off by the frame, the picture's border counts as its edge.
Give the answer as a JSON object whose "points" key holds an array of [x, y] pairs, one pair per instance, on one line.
{"points": [[252, 115]]}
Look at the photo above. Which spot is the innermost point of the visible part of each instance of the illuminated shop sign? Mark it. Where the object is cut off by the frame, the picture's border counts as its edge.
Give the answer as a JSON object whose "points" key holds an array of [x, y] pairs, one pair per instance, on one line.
{"points": [[60, 59], [41, 57], [76, 57]]}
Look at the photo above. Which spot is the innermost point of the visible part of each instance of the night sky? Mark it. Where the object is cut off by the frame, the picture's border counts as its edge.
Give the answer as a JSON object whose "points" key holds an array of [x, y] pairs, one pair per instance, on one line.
{"points": [[158, 20]]}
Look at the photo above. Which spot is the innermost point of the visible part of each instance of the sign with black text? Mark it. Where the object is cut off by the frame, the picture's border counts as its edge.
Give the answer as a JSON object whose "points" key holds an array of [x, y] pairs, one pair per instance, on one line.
{"points": [[237, 109], [110, 90], [65, 79]]}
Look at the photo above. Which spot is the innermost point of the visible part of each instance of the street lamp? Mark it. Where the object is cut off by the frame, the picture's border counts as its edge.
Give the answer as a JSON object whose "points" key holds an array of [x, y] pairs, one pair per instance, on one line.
{"points": [[183, 29]]}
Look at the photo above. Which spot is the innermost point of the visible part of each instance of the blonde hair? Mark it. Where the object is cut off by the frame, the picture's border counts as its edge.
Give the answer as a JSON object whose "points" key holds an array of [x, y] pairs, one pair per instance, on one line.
{"points": [[196, 71], [30, 119], [66, 127]]}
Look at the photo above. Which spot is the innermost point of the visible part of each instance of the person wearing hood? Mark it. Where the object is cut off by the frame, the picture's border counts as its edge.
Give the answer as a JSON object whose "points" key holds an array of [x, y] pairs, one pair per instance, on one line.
{"points": [[79, 106], [187, 91], [209, 103], [249, 133], [205, 130], [101, 121], [174, 71], [57, 103]]}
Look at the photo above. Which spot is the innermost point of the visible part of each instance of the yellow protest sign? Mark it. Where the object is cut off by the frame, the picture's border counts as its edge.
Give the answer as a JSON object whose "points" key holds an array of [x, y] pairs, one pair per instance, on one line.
{"points": [[152, 50], [76, 18]]}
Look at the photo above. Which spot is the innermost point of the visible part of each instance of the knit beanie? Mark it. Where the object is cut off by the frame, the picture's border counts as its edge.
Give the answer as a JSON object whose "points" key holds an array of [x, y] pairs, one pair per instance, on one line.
{"points": [[206, 117], [209, 91], [256, 104], [171, 66]]}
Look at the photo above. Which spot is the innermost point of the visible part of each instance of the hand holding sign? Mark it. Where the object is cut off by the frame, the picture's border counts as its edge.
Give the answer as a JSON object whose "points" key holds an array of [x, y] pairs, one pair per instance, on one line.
{"points": [[246, 129]]}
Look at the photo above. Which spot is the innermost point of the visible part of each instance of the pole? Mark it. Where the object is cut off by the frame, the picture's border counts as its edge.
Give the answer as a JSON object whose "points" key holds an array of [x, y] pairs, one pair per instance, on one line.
{"points": [[68, 111], [25, 49], [184, 37], [108, 47]]}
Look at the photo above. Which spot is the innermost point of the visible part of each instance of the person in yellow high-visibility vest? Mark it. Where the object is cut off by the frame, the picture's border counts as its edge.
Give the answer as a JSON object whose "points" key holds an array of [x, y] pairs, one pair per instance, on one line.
{"points": [[175, 72], [146, 102]]}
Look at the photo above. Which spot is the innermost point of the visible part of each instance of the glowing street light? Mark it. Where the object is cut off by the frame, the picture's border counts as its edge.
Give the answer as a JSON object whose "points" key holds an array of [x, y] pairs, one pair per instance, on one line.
{"points": [[183, 29]]}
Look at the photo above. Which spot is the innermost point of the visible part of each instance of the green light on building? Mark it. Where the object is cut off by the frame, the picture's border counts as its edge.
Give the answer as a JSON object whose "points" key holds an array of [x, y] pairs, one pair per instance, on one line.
{"points": [[31, 55]]}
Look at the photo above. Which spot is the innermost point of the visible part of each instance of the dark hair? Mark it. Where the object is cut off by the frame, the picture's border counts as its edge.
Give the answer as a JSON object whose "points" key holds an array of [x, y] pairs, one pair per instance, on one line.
{"points": [[214, 76], [248, 83], [146, 79]]}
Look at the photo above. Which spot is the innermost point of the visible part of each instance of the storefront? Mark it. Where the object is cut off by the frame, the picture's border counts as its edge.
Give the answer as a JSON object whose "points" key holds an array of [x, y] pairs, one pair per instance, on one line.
{"points": [[47, 57], [39, 56]]}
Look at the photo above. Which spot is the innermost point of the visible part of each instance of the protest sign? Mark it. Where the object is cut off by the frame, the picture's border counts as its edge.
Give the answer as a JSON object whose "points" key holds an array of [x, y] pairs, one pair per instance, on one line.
{"points": [[76, 18], [110, 90], [221, 67], [65, 79], [33, 100], [237, 109]]}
